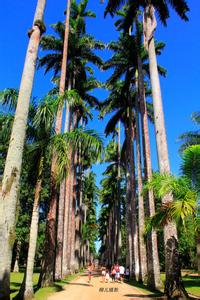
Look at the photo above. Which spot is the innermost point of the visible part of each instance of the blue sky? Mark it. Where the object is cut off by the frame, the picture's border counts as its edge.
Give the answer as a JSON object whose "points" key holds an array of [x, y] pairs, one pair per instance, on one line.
{"points": [[181, 93]]}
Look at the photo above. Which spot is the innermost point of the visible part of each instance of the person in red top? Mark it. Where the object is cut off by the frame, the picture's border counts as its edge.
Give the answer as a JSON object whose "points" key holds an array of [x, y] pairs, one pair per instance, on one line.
{"points": [[113, 273]]}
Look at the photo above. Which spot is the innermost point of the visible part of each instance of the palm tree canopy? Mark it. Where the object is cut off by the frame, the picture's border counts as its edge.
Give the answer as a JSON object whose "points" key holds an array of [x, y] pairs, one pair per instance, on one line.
{"points": [[8, 97], [161, 7], [190, 138], [191, 165], [184, 202]]}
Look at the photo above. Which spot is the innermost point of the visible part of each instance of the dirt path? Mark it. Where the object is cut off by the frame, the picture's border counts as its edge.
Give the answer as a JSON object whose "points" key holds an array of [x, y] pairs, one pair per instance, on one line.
{"points": [[80, 289]]}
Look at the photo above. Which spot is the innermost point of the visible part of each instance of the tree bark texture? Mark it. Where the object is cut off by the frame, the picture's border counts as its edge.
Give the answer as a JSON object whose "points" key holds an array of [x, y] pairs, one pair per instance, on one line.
{"points": [[73, 219], [29, 292], [67, 215], [48, 262], [141, 214], [61, 213], [59, 246], [198, 254], [118, 237]]}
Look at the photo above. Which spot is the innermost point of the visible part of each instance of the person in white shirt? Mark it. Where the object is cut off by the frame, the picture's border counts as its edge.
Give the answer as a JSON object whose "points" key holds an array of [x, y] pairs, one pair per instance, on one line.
{"points": [[121, 271], [107, 278]]}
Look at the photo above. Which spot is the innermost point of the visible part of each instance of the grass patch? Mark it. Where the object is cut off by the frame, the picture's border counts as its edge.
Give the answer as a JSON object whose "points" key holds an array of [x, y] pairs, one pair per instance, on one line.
{"points": [[192, 284], [42, 293], [143, 288]]}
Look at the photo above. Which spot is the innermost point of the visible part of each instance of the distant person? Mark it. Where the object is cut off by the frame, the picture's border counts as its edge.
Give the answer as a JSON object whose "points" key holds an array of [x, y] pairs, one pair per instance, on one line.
{"points": [[117, 275], [113, 273], [107, 278], [127, 274], [90, 268], [103, 273], [121, 271]]}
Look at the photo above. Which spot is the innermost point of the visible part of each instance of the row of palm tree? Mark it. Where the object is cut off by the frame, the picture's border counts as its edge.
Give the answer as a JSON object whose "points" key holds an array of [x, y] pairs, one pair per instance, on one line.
{"points": [[135, 77], [129, 67]]}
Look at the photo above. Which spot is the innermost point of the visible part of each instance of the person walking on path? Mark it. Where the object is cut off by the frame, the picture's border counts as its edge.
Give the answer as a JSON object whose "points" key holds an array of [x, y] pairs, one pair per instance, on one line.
{"points": [[107, 279], [113, 273], [90, 268], [117, 276], [103, 274], [127, 274], [121, 271]]}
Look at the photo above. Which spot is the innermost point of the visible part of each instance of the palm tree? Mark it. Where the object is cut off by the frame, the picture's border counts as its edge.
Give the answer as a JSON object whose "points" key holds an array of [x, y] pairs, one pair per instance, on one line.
{"points": [[10, 182], [190, 153], [183, 206], [190, 138], [172, 285], [6, 121], [191, 168]]}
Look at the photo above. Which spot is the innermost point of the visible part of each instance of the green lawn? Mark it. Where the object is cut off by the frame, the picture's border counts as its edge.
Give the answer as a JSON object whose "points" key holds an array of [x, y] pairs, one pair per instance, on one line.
{"points": [[42, 293]]}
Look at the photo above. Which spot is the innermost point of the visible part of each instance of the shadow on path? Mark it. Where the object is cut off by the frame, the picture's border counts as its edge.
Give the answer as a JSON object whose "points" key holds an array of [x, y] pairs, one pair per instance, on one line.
{"points": [[145, 296]]}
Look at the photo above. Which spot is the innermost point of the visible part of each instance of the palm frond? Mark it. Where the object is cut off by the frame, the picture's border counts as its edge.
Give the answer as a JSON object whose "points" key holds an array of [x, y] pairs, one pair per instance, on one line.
{"points": [[191, 164], [112, 123], [8, 97]]}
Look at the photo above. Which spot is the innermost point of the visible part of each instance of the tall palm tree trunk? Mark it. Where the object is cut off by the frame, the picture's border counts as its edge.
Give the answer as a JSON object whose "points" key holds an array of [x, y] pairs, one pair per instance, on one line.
{"points": [[118, 235], [129, 234], [153, 265], [198, 254], [110, 239], [73, 218], [132, 259], [61, 212], [29, 292], [12, 171], [67, 215], [114, 227], [71, 228], [135, 241], [78, 235], [141, 214], [69, 200], [48, 267], [173, 284], [65, 255], [59, 246], [48, 262]]}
